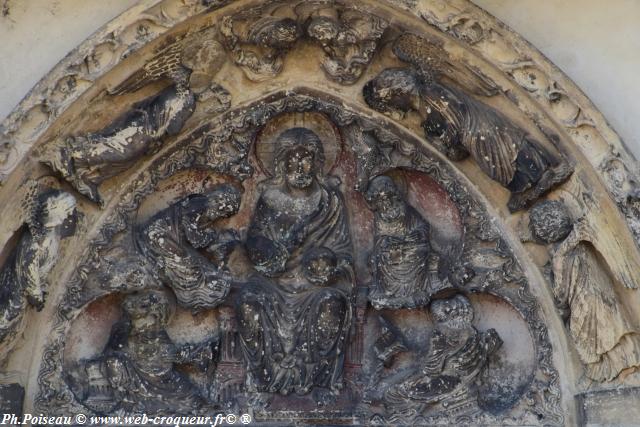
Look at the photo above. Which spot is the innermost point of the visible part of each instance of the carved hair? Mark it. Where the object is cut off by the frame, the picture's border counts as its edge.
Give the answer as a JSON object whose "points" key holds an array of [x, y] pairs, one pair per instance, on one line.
{"points": [[195, 203], [294, 138], [44, 209], [390, 86], [460, 310]]}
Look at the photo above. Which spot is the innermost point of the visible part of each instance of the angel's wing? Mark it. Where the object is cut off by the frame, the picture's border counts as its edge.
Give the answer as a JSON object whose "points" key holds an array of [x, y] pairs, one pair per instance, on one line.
{"points": [[430, 57], [624, 264], [166, 61]]}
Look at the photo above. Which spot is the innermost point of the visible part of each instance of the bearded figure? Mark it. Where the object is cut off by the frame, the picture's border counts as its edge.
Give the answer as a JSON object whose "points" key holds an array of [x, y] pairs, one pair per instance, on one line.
{"points": [[295, 313]]}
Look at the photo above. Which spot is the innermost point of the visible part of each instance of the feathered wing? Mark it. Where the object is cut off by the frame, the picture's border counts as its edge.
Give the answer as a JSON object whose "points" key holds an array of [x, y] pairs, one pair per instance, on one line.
{"points": [[604, 336], [433, 60], [624, 264], [167, 61]]}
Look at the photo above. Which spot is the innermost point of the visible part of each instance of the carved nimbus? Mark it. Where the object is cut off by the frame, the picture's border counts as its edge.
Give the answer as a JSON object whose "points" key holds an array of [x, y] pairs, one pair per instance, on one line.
{"points": [[23, 278]]}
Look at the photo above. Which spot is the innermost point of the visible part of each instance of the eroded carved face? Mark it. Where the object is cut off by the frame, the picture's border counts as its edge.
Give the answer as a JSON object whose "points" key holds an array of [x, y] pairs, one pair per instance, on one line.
{"points": [[299, 168], [385, 199], [454, 312], [58, 209], [222, 205], [394, 92], [147, 310]]}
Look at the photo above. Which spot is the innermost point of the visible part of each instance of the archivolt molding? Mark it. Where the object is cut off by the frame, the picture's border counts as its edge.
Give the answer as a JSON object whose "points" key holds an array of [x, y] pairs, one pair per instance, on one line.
{"points": [[463, 21], [423, 95]]}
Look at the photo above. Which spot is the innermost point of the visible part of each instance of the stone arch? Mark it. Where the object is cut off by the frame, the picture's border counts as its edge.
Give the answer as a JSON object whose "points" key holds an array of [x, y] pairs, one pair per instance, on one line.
{"points": [[238, 82]]}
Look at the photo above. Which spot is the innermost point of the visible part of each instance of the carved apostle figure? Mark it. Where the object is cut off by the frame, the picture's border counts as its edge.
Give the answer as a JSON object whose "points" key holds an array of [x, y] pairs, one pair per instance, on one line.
{"points": [[23, 279], [402, 257], [136, 373], [456, 356], [294, 317], [172, 240], [461, 126]]}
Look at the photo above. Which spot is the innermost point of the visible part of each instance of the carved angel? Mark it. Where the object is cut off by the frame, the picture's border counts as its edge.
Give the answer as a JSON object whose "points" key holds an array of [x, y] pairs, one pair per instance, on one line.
{"points": [[349, 39], [23, 278], [259, 46], [88, 160], [462, 126], [606, 338]]}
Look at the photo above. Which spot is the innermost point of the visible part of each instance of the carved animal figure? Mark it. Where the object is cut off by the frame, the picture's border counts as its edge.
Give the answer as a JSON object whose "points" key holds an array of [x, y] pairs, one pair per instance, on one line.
{"points": [[462, 126], [294, 317], [23, 278], [173, 238], [349, 39], [456, 356]]}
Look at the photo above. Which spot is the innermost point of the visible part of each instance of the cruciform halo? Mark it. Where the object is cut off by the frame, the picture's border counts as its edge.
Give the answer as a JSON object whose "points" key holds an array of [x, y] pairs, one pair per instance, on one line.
{"points": [[320, 124]]}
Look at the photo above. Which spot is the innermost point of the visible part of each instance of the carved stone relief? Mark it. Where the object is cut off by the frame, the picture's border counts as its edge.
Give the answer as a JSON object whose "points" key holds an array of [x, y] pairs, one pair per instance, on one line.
{"points": [[386, 233]]}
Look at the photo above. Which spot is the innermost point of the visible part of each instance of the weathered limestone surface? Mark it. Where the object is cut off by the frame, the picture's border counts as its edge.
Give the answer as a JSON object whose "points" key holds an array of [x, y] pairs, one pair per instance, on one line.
{"points": [[317, 212]]}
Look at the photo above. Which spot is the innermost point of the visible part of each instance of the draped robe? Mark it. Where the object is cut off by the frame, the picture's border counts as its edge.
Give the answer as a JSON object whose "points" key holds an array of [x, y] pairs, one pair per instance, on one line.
{"points": [[293, 332], [405, 281]]}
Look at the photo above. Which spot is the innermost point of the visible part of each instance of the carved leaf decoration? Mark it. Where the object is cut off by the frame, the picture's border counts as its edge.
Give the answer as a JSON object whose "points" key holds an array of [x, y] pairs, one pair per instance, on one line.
{"points": [[433, 61]]}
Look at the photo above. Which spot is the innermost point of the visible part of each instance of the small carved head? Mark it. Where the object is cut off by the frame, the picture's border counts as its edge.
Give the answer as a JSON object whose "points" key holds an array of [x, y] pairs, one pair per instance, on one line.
{"points": [[549, 221], [456, 312], [279, 34], [385, 198], [147, 309], [54, 208], [394, 91], [320, 265], [222, 201], [299, 157], [323, 28]]}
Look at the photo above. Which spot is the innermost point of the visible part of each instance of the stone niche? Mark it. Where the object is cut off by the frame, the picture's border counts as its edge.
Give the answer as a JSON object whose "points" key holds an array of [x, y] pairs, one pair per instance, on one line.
{"points": [[317, 213]]}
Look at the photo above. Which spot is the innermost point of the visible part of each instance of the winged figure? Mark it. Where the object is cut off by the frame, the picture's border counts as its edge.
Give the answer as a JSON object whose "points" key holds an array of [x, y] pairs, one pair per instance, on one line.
{"points": [[462, 126]]}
